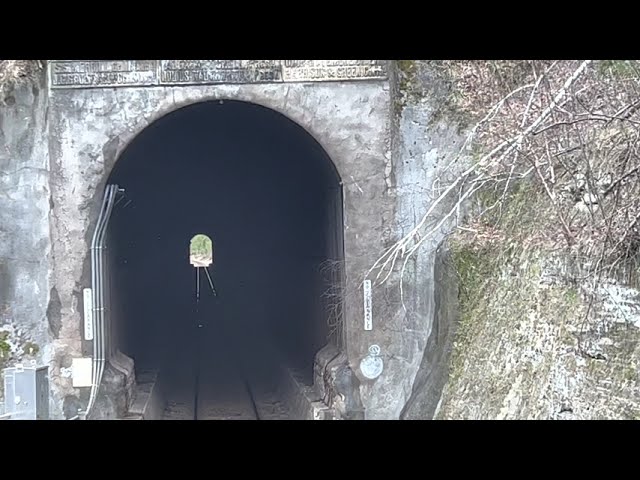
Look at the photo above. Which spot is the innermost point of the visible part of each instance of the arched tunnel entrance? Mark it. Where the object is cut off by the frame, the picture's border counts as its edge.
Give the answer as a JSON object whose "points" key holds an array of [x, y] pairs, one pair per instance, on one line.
{"points": [[270, 200]]}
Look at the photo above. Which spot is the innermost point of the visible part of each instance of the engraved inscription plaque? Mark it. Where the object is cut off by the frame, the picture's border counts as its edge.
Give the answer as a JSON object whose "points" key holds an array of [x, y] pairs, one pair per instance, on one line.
{"points": [[141, 73], [323, 70], [103, 73], [176, 72]]}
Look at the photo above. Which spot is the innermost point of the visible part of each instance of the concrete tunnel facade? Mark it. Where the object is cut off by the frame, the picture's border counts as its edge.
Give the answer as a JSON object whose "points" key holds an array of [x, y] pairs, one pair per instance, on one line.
{"points": [[355, 190]]}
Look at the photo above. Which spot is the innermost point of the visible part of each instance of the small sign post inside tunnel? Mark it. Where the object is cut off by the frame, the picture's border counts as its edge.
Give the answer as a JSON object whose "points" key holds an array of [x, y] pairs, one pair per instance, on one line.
{"points": [[88, 313], [368, 320]]}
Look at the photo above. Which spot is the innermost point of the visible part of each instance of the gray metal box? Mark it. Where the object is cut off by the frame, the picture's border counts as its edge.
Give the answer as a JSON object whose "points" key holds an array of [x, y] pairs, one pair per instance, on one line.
{"points": [[26, 393]]}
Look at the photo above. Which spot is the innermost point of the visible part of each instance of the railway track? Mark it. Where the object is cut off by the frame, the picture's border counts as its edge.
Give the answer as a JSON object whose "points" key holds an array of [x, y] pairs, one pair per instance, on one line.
{"points": [[222, 381]]}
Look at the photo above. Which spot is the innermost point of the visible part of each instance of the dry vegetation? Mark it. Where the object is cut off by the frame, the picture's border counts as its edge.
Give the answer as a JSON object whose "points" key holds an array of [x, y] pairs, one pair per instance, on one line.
{"points": [[334, 296], [542, 213], [564, 132], [570, 133]]}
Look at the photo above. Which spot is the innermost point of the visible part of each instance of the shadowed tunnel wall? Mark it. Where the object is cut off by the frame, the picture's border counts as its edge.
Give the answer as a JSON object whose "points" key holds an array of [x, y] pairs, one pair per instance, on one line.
{"points": [[270, 199]]}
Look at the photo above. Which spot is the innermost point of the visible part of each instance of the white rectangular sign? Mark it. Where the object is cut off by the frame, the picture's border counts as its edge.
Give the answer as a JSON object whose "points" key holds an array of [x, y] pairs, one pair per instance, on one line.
{"points": [[81, 370], [368, 320], [88, 314]]}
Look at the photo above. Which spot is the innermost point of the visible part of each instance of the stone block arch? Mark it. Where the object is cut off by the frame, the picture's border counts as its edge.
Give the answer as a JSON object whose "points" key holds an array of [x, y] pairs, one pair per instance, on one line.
{"points": [[352, 121]]}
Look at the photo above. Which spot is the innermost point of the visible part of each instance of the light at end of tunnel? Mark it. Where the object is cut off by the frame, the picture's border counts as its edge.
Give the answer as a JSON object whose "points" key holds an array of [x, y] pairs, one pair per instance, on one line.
{"points": [[200, 251]]}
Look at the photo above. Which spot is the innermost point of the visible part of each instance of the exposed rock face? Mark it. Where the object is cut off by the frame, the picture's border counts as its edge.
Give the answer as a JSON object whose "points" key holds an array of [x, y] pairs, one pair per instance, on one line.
{"points": [[536, 350], [26, 296], [433, 372], [424, 145]]}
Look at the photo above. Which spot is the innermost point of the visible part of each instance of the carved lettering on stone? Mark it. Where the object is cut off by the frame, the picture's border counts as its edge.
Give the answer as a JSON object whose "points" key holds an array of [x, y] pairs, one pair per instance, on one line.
{"points": [[103, 73], [327, 70], [140, 73], [176, 72]]}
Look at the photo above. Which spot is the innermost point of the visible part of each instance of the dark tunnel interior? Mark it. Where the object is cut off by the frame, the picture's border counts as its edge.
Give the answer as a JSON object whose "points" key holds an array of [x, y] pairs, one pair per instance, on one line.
{"points": [[270, 199]]}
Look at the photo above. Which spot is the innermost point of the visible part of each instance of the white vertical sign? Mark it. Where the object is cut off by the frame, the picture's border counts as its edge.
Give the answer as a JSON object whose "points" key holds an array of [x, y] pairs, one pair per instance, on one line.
{"points": [[88, 314], [368, 320]]}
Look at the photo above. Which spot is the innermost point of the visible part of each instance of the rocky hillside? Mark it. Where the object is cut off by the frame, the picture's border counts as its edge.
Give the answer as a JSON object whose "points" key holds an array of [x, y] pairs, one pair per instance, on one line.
{"points": [[545, 235]]}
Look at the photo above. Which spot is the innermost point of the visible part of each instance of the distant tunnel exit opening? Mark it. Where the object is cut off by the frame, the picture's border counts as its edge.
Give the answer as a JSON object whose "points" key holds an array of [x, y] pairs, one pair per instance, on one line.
{"points": [[200, 251], [247, 197]]}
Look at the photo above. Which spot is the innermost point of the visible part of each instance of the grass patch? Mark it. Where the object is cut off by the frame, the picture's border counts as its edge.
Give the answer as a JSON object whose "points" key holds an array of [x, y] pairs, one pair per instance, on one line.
{"points": [[572, 296], [432, 80], [5, 348], [31, 348], [406, 70], [475, 268], [498, 268], [5, 353], [619, 69]]}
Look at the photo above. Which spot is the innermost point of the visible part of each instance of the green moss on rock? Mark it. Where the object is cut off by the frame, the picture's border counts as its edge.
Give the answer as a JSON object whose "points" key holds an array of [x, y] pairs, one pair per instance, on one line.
{"points": [[5, 348], [31, 348], [619, 68], [406, 73]]}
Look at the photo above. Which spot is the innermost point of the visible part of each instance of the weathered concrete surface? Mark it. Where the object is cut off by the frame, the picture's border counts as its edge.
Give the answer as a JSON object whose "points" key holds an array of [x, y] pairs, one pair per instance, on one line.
{"points": [[424, 146], [434, 368], [90, 128], [29, 305], [387, 164]]}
